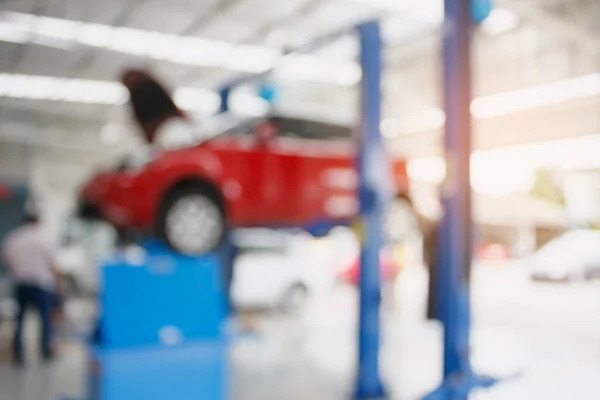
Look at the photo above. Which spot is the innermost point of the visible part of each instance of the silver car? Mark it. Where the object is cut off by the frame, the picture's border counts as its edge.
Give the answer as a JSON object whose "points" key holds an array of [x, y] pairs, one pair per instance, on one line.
{"points": [[573, 256]]}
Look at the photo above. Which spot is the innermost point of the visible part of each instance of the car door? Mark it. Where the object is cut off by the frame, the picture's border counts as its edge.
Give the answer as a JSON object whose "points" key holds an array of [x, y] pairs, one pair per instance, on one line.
{"points": [[325, 177], [251, 159]]}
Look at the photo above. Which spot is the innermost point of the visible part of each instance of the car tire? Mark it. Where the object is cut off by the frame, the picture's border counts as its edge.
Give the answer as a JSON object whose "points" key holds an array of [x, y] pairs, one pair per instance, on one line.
{"points": [[192, 220], [87, 210], [294, 299]]}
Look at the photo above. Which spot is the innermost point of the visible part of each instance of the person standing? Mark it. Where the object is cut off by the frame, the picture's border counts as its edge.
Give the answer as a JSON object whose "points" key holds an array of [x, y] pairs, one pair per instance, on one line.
{"points": [[29, 254]]}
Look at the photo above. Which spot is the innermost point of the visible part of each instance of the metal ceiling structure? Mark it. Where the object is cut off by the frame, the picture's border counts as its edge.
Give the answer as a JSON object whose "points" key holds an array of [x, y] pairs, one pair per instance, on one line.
{"points": [[411, 29]]}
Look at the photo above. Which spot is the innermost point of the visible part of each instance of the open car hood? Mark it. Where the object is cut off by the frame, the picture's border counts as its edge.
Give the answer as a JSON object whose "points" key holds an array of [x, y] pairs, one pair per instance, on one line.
{"points": [[151, 103]]}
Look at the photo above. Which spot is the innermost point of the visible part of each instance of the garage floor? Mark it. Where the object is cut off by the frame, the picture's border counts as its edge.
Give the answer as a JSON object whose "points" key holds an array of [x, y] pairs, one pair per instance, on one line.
{"points": [[548, 333]]}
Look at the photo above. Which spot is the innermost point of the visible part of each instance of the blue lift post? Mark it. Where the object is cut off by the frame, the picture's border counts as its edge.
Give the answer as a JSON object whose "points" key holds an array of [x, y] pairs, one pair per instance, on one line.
{"points": [[455, 248], [373, 195]]}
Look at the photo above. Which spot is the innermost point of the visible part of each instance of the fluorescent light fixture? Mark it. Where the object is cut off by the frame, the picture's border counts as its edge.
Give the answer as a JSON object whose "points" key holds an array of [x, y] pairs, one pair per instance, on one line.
{"points": [[55, 28], [59, 89], [14, 34], [95, 35], [252, 58], [189, 50], [500, 21], [199, 100], [501, 104], [313, 68], [130, 41], [114, 93], [538, 96]]}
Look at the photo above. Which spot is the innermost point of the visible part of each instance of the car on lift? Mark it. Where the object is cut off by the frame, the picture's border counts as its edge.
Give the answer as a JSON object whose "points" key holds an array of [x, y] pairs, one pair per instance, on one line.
{"points": [[272, 171]]}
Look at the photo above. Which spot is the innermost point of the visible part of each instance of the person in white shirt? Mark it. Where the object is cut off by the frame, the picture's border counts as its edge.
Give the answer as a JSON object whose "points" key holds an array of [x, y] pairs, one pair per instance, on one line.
{"points": [[29, 254]]}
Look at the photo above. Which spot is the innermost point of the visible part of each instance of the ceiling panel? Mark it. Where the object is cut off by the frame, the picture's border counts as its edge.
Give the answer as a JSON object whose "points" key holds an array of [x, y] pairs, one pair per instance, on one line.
{"points": [[7, 52], [172, 73], [101, 12], [39, 60], [335, 14], [228, 28], [18, 5], [208, 77], [264, 10], [345, 48], [157, 17], [108, 65]]}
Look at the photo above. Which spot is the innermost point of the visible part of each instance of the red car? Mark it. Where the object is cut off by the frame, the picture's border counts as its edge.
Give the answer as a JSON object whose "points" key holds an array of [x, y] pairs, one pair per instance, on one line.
{"points": [[272, 171]]}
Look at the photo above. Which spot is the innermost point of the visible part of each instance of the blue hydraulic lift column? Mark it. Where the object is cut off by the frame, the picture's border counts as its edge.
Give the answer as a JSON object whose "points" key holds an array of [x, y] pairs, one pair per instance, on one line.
{"points": [[455, 243], [455, 250], [372, 200], [228, 249]]}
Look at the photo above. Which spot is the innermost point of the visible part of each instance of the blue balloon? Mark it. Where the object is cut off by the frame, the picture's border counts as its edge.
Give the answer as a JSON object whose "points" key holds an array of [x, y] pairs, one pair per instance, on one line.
{"points": [[480, 10]]}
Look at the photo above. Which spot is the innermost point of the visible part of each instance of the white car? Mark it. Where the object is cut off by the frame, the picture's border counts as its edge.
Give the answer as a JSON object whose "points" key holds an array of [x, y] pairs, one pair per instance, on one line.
{"points": [[279, 271], [84, 245], [573, 256]]}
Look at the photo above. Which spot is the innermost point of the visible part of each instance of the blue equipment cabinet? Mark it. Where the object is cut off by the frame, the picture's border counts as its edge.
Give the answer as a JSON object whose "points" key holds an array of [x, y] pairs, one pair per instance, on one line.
{"points": [[162, 328]]}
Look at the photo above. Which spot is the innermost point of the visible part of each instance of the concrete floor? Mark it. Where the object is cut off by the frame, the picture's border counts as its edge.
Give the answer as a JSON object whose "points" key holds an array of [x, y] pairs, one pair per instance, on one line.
{"points": [[548, 333]]}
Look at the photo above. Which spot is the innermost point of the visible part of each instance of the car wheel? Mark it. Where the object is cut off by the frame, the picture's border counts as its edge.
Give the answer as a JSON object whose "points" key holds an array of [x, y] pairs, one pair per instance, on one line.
{"points": [[400, 221], [89, 211], [294, 299], [192, 221]]}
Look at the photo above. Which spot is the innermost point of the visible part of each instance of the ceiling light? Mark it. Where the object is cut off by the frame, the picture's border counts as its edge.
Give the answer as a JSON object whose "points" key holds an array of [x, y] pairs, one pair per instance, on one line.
{"points": [[13, 33], [313, 68], [252, 58], [507, 103], [200, 100], [95, 35], [162, 45], [130, 41], [190, 50], [537, 96], [500, 21], [56, 28], [71, 90]]}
